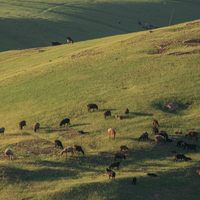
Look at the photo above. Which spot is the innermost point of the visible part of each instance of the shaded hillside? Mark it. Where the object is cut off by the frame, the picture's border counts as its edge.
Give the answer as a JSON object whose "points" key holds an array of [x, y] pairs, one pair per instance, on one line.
{"points": [[28, 24]]}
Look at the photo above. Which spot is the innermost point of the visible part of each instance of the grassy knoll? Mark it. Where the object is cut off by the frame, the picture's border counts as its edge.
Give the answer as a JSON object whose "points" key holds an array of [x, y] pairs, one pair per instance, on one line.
{"points": [[142, 71], [36, 23]]}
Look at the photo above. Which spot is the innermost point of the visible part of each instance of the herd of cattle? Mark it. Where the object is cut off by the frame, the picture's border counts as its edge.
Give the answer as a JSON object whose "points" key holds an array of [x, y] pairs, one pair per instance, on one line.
{"points": [[160, 137]]}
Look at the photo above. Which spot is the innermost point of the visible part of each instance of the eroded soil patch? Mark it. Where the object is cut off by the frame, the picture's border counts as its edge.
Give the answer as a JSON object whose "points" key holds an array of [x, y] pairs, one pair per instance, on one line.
{"points": [[36, 146]]}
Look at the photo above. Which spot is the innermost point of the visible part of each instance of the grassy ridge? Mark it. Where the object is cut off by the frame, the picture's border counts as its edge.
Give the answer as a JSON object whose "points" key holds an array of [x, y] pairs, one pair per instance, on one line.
{"points": [[28, 24], [50, 83]]}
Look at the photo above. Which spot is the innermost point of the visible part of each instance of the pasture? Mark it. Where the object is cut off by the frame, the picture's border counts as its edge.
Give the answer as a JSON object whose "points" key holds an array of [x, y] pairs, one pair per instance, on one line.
{"points": [[36, 23], [141, 71]]}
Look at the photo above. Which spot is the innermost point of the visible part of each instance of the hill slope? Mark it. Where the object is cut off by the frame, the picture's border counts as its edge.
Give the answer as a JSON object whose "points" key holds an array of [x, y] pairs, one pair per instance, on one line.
{"points": [[142, 71], [28, 24]]}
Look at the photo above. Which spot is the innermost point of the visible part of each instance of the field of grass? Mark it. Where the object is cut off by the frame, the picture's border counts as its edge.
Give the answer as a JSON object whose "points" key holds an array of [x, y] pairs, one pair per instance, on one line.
{"points": [[142, 71], [36, 23]]}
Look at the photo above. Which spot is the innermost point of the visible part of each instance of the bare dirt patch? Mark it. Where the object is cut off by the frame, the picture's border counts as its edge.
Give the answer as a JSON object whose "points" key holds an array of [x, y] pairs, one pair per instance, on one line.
{"points": [[71, 133], [36, 146], [160, 51]]}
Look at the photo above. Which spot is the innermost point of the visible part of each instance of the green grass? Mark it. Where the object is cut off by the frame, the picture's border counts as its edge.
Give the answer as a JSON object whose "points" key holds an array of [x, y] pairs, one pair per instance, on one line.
{"points": [[48, 84], [28, 24]]}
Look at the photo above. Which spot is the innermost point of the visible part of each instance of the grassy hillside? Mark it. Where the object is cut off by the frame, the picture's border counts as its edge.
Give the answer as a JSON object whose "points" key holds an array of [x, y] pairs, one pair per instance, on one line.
{"points": [[36, 23], [142, 71]]}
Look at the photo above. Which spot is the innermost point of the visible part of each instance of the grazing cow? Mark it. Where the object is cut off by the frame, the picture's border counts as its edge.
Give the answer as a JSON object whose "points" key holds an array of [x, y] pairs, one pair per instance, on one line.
{"points": [[65, 121], [192, 134], [67, 149], [36, 126], [58, 143], [92, 106], [106, 113], [78, 148], [110, 173], [2, 130], [144, 136], [155, 123], [189, 146], [9, 153], [134, 180], [164, 134], [119, 155], [114, 164], [179, 156], [112, 133], [139, 23], [55, 43], [123, 148], [152, 174], [21, 124], [159, 138], [155, 130], [69, 40], [126, 111]]}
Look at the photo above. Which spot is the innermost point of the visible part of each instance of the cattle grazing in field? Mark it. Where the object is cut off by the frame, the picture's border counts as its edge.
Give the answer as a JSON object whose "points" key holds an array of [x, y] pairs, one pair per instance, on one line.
{"points": [[66, 150], [112, 133], [119, 155], [144, 136], [107, 113], [78, 148], [126, 111], [2, 129], [55, 43], [155, 123], [69, 40], [36, 126], [123, 148], [155, 130], [9, 153], [164, 134], [110, 173], [21, 124], [189, 146], [58, 143], [159, 138], [134, 180], [181, 157], [152, 174], [92, 106], [114, 164], [65, 121], [192, 134]]}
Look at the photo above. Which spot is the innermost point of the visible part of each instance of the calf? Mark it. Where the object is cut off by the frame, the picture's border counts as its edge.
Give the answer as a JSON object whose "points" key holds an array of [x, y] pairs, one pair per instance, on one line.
{"points": [[123, 148]]}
